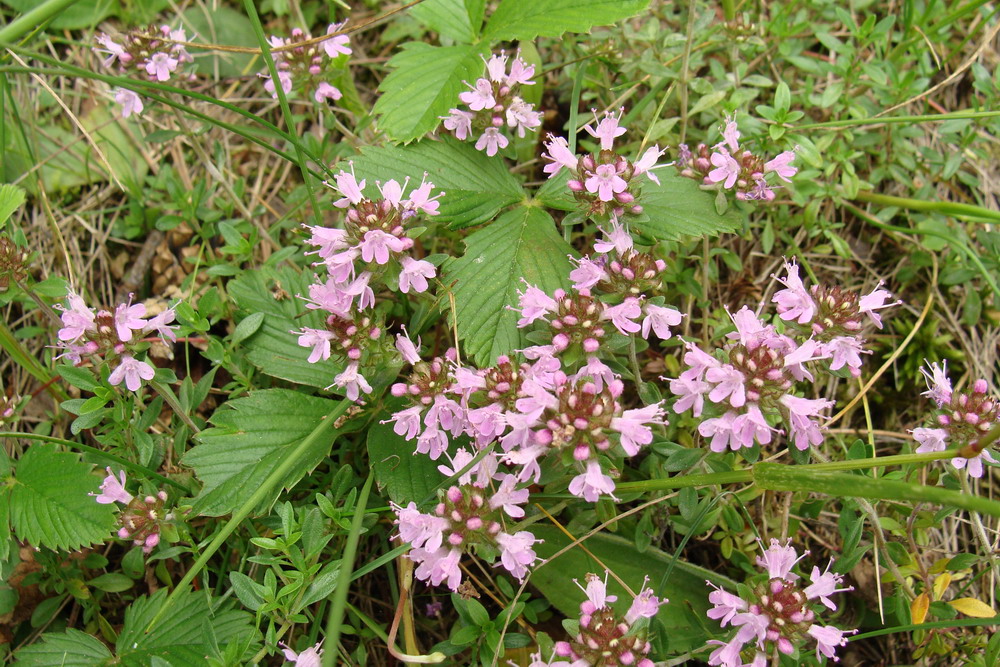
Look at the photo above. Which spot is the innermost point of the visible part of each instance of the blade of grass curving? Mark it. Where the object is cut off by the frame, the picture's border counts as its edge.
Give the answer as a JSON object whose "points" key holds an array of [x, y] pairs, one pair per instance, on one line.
{"points": [[957, 623], [286, 111], [32, 19], [944, 207], [339, 596], [123, 462], [255, 498], [927, 118]]}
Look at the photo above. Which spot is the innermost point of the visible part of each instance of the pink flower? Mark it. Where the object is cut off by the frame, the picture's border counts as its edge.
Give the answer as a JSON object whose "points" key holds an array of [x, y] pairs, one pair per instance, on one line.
{"points": [[459, 122], [76, 320], [726, 604], [728, 654], [607, 130], [113, 489], [824, 584], [284, 78], [480, 97], [406, 347], [845, 351], [596, 592], [377, 244], [509, 498], [160, 65], [749, 426], [127, 318], [647, 163], [491, 140], [338, 44], [520, 73], [161, 324], [496, 67], [618, 239], [632, 426], [778, 559], [801, 411], [605, 182], [558, 154], [325, 91], [623, 315], [721, 431], [534, 304], [931, 439], [484, 470], [731, 135], [726, 169], [587, 273], [318, 340], [794, 302], [875, 301], [392, 191], [659, 319], [420, 199], [729, 382], [132, 372], [407, 422], [526, 458], [419, 529], [348, 186], [938, 385], [645, 605], [516, 553], [352, 382], [781, 165], [692, 394], [437, 566], [311, 657], [415, 274], [975, 464], [522, 115], [592, 484], [114, 50], [130, 102], [828, 638]]}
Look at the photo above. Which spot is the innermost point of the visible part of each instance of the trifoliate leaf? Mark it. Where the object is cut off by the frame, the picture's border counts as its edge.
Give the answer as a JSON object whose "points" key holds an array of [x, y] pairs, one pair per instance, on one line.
{"points": [[49, 505], [527, 19], [521, 244], [64, 649], [475, 186], [249, 437], [185, 635], [678, 207], [424, 84]]}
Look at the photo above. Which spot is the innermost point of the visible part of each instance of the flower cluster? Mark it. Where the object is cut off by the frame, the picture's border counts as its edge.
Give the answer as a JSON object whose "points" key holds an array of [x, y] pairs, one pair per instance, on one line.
{"points": [[606, 183], [372, 247], [493, 102], [830, 315], [150, 51], [468, 518], [962, 418], [534, 410], [779, 612], [307, 66], [734, 167], [141, 517], [605, 638], [112, 335]]}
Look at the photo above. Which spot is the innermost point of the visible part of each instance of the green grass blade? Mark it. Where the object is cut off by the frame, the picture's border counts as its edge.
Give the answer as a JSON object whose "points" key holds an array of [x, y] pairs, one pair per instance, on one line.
{"points": [[32, 19]]}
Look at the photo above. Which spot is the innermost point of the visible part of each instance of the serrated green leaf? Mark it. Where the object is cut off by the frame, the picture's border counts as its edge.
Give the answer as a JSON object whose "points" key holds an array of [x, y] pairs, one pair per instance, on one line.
{"points": [[11, 198], [185, 636], [272, 347], [399, 471], [424, 84], [527, 19], [475, 186], [678, 207], [250, 436], [64, 649], [522, 243], [449, 18], [684, 615], [49, 505]]}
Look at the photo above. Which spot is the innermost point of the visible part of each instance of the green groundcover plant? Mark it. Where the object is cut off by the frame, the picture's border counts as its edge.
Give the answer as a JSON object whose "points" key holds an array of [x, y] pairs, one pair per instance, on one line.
{"points": [[532, 332]]}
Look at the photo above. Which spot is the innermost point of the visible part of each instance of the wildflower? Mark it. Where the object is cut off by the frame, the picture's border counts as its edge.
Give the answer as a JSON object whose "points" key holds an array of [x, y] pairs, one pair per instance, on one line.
{"points": [[132, 372], [726, 171], [592, 484], [492, 141], [459, 122], [130, 102], [113, 489], [337, 44], [325, 91], [480, 96], [558, 155], [160, 65], [77, 319], [352, 382], [607, 130], [310, 657]]}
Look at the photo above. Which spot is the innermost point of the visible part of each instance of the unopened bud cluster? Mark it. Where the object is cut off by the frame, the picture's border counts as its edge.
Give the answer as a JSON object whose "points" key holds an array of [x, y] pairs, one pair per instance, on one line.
{"points": [[142, 518], [12, 263]]}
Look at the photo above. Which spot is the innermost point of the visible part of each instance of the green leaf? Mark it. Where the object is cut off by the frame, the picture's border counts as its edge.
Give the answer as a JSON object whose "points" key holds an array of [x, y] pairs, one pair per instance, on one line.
{"points": [[49, 505], [221, 25], [185, 636], [678, 207], [475, 186], [424, 84], [249, 592], [249, 438], [399, 471], [65, 649], [522, 243], [270, 292], [111, 582], [449, 18], [527, 19], [11, 198], [81, 14], [684, 615]]}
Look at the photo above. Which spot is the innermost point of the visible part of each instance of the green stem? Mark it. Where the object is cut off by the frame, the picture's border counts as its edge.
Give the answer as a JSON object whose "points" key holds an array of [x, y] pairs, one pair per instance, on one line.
{"points": [[276, 476], [32, 19], [945, 207], [286, 111], [123, 462], [171, 400], [928, 118], [336, 618]]}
